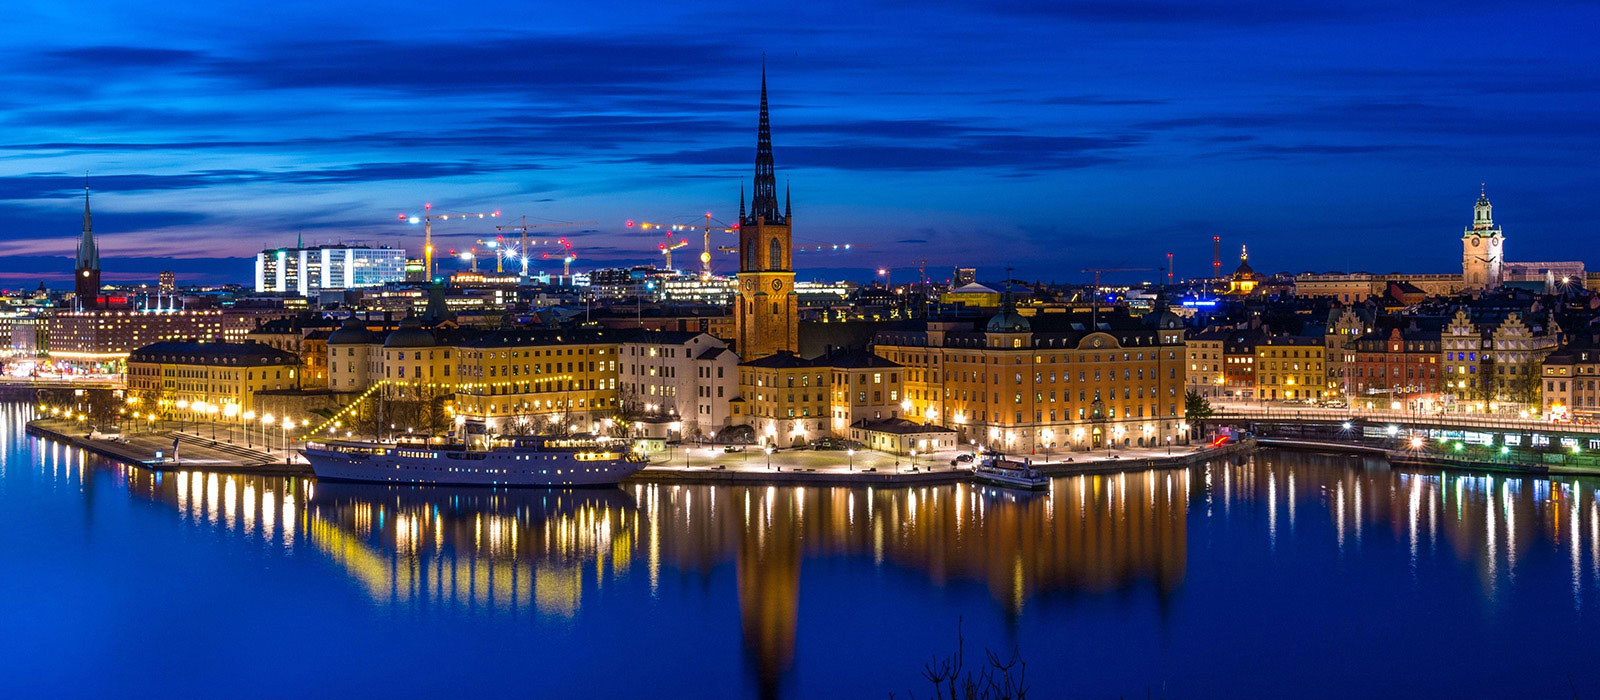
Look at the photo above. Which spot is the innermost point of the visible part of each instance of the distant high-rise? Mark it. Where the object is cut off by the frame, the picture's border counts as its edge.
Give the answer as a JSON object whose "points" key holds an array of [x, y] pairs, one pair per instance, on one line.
{"points": [[167, 282], [964, 276], [766, 320], [86, 274], [305, 271]]}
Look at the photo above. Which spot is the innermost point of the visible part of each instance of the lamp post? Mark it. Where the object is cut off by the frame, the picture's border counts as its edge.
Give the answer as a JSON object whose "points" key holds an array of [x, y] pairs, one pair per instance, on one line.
{"points": [[183, 408], [266, 438], [852, 454], [231, 412], [288, 425], [248, 417], [768, 450]]}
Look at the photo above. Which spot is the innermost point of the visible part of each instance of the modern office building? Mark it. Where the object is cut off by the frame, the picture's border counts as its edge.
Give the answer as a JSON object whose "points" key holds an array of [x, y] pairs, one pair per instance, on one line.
{"points": [[306, 271]]}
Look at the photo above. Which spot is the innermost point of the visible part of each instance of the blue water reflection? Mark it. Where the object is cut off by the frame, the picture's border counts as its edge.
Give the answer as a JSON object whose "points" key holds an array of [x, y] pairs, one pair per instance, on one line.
{"points": [[1284, 575]]}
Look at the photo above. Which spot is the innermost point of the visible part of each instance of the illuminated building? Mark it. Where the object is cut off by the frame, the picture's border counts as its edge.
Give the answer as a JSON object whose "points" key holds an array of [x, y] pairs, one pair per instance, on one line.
{"points": [[1203, 353], [784, 397], [765, 313], [305, 271], [689, 376], [863, 387], [1058, 381], [1243, 282], [1570, 389], [107, 336], [1291, 368], [176, 375]]}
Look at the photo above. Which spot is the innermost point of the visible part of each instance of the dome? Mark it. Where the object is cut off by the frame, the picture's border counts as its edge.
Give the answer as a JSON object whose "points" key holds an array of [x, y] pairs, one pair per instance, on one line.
{"points": [[353, 332], [1244, 271], [1008, 321], [410, 335]]}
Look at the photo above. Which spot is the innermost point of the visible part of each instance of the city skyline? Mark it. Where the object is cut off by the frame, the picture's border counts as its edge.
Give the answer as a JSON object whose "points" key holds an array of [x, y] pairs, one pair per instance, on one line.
{"points": [[1100, 140]]}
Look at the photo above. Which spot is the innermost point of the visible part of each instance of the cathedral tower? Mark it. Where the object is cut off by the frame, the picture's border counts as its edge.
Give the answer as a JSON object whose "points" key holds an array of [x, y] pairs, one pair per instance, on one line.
{"points": [[86, 275], [766, 317], [1482, 248]]}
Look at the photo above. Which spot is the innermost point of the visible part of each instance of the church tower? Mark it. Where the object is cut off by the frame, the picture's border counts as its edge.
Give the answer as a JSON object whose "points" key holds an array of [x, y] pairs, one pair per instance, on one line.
{"points": [[766, 318], [86, 276], [1482, 248]]}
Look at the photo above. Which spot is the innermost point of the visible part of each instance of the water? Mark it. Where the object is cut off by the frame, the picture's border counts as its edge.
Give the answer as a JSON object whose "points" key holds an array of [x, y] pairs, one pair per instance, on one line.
{"points": [[1286, 575]]}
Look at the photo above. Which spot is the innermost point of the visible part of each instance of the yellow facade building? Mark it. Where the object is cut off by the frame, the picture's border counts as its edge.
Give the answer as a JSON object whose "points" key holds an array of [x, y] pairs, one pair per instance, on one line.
{"points": [[176, 375]]}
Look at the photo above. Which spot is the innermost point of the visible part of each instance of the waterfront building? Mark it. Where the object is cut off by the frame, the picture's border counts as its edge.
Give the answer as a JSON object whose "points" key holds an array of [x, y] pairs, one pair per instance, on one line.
{"points": [[176, 375], [902, 437], [1492, 359], [1395, 368], [688, 376], [783, 397], [354, 352], [511, 381], [863, 387], [1291, 368], [306, 271], [1570, 375], [1058, 380]]}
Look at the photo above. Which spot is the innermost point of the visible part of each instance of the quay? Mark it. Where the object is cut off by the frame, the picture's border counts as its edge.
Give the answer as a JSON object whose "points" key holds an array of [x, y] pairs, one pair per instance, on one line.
{"points": [[195, 453], [152, 450]]}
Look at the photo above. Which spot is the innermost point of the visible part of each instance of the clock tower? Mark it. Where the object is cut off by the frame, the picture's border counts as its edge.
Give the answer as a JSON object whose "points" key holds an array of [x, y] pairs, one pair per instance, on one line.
{"points": [[766, 318], [1482, 248]]}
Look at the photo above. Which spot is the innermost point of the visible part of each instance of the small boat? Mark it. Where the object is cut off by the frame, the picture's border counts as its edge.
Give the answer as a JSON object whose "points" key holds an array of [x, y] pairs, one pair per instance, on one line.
{"points": [[1009, 473], [537, 461]]}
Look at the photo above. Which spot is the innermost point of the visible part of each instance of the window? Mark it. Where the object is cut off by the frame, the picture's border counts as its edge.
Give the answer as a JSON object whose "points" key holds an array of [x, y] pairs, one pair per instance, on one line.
{"points": [[775, 254]]}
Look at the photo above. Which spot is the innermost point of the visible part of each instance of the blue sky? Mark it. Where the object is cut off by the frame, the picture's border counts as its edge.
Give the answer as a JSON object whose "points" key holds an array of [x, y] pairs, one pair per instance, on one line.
{"points": [[1048, 136]]}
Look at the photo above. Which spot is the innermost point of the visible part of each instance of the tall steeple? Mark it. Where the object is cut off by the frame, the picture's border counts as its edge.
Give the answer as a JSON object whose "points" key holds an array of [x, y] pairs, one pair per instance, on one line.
{"points": [[764, 202], [88, 251], [86, 273]]}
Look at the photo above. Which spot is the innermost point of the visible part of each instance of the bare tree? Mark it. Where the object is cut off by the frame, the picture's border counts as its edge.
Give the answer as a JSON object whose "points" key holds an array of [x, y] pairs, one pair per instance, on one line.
{"points": [[998, 678]]}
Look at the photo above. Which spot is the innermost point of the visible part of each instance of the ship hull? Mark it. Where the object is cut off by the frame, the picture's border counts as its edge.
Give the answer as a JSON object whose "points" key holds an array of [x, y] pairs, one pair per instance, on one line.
{"points": [[462, 468]]}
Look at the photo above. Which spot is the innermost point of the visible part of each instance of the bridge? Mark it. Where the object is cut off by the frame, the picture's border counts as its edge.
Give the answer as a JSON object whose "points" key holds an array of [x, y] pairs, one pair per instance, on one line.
{"points": [[1467, 440]]}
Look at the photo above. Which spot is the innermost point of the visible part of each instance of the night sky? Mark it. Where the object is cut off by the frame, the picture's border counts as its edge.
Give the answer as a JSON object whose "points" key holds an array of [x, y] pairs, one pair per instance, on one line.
{"points": [[1048, 136]]}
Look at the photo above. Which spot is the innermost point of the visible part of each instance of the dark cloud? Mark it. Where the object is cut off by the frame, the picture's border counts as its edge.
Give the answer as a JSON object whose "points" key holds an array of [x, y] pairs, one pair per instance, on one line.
{"points": [[1022, 152], [49, 185]]}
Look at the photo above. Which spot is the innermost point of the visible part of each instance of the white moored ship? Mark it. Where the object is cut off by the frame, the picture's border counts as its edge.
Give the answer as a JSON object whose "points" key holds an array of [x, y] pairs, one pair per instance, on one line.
{"points": [[509, 461]]}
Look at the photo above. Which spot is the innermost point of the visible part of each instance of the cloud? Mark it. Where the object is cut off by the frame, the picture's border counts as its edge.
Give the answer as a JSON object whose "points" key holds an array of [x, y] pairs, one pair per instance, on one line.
{"points": [[50, 185], [1024, 152]]}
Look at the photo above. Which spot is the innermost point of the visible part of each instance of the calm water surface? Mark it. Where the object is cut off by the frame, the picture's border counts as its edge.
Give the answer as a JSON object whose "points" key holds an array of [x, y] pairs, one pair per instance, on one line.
{"points": [[1286, 575]]}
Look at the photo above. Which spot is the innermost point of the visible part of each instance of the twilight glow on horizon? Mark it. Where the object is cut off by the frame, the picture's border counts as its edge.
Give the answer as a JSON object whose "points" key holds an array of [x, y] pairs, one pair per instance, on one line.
{"points": [[1049, 136]]}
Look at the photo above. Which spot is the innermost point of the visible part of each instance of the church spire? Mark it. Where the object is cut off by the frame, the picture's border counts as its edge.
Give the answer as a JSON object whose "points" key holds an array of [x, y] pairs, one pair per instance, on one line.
{"points": [[741, 202], [88, 251], [764, 202], [788, 202]]}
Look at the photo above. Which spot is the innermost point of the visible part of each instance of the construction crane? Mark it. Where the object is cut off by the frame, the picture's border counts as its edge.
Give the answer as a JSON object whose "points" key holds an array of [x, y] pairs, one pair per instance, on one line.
{"points": [[711, 226], [669, 246], [1094, 314], [522, 251], [567, 256], [426, 219]]}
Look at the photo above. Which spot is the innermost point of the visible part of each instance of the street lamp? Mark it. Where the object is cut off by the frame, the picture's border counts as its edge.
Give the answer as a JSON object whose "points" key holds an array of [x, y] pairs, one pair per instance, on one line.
{"points": [[183, 407], [852, 453], [288, 425], [768, 450], [248, 417], [266, 438]]}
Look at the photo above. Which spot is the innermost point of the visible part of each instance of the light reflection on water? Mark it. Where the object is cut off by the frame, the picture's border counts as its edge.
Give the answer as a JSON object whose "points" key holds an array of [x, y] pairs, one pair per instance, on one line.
{"points": [[547, 554]]}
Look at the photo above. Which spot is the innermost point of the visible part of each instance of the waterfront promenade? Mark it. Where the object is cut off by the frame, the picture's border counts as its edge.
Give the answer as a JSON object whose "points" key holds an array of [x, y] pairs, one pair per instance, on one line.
{"points": [[227, 449]]}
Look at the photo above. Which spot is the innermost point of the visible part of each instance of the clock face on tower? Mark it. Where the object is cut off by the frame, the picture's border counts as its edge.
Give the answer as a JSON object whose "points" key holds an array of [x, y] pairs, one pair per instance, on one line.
{"points": [[1475, 241], [777, 285], [750, 285]]}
